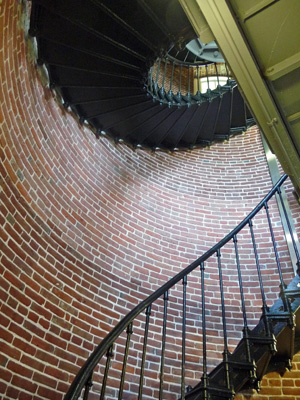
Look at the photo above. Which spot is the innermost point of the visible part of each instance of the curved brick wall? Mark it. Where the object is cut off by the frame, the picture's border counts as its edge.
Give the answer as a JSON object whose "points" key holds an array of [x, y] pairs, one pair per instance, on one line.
{"points": [[89, 229]]}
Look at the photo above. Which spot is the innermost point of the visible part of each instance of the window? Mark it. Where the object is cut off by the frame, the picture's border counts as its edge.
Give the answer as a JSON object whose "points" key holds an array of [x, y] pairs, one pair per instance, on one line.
{"points": [[210, 82]]}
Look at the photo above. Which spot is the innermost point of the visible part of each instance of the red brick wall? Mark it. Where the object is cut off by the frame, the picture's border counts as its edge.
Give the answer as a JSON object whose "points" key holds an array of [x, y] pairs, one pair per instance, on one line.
{"points": [[89, 229]]}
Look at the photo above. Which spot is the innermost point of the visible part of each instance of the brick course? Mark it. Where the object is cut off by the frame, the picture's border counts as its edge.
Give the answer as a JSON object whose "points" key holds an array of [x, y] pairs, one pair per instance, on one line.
{"points": [[89, 229]]}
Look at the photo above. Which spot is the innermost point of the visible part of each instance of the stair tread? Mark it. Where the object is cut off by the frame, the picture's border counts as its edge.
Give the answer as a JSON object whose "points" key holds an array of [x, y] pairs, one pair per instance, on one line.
{"points": [[260, 352]]}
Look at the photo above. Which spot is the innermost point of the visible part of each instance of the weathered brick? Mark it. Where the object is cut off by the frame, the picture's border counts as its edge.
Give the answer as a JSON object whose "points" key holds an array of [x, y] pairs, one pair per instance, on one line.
{"points": [[20, 369], [88, 230], [24, 347], [56, 373], [19, 296], [44, 380], [47, 393], [12, 314], [56, 341], [10, 351], [22, 383], [12, 393]]}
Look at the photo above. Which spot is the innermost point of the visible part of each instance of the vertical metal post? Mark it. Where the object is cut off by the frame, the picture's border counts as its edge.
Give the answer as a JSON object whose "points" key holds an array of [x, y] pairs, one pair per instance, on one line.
{"points": [[129, 333], [240, 282], [207, 77], [184, 283], [164, 76], [204, 376], [180, 77], [227, 72], [217, 74], [265, 308], [226, 353], [150, 83], [172, 77], [263, 297], [245, 329], [282, 284], [88, 385], [157, 74], [148, 313], [189, 82], [290, 230], [109, 355], [163, 347]]}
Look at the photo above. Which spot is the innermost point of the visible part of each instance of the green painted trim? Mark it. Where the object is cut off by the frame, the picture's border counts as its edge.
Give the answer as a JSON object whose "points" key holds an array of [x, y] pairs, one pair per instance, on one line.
{"points": [[235, 49]]}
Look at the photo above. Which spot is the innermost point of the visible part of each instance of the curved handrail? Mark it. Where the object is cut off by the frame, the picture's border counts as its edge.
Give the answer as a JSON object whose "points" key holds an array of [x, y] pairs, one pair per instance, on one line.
{"points": [[160, 80], [86, 371]]}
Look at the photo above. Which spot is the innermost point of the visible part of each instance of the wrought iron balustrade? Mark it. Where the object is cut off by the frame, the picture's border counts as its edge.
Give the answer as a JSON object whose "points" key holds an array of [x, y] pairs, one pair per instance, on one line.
{"points": [[132, 362], [178, 83]]}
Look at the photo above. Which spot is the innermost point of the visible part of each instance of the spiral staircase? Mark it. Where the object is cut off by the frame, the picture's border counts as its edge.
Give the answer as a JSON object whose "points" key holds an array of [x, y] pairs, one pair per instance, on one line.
{"points": [[131, 71], [269, 346], [125, 70]]}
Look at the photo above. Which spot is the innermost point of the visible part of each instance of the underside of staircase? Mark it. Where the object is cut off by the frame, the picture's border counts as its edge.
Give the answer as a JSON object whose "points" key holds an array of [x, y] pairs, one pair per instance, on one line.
{"points": [[103, 57]]}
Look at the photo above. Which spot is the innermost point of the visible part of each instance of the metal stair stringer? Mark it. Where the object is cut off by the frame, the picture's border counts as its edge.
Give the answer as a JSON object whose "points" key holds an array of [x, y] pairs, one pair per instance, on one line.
{"points": [[270, 346], [268, 353]]}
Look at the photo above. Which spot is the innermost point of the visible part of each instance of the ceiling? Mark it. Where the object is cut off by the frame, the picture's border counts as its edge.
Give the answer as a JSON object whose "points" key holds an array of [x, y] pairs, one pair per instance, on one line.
{"points": [[260, 41]]}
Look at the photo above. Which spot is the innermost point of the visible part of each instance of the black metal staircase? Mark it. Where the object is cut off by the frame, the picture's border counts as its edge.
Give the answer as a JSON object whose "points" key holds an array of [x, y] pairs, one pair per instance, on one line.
{"points": [[122, 67], [115, 65], [268, 347]]}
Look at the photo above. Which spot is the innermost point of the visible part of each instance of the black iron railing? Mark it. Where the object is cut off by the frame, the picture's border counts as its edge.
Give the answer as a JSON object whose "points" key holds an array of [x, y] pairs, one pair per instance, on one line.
{"points": [[178, 83], [91, 374]]}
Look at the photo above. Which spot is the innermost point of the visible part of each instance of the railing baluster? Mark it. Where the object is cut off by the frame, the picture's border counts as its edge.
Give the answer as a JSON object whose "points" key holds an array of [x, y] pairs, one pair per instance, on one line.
{"points": [[109, 355], [148, 313], [83, 379], [157, 74], [163, 347], [164, 76], [180, 77], [217, 74], [172, 77], [129, 333], [88, 385], [198, 80], [282, 284], [226, 353], [204, 376], [263, 297], [265, 308], [290, 230], [227, 72], [189, 82], [159, 79], [208, 88], [184, 283], [240, 282], [245, 329], [151, 78]]}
